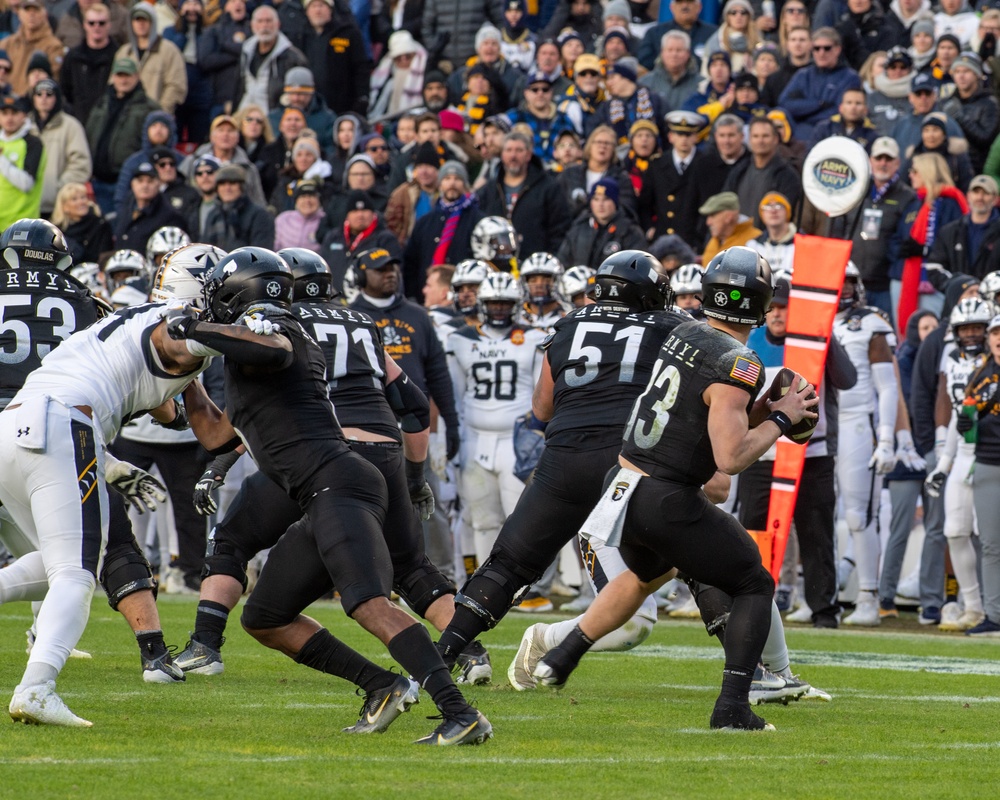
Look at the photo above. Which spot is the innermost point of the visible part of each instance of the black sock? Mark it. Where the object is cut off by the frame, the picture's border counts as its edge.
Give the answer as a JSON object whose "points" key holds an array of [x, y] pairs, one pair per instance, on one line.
{"points": [[735, 686], [415, 652], [950, 588], [210, 623], [325, 653], [567, 654], [463, 628], [151, 643]]}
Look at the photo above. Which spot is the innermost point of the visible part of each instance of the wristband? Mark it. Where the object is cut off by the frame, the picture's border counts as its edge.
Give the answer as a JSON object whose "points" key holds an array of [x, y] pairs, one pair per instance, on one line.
{"points": [[533, 423], [414, 472], [781, 419]]}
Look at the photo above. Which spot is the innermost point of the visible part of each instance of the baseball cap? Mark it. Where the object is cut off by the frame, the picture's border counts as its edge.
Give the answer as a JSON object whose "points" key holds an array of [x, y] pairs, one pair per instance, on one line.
{"points": [[124, 66], [16, 103], [923, 82], [376, 259], [994, 324], [587, 61], [885, 146], [223, 119], [145, 168], [985, 182]]}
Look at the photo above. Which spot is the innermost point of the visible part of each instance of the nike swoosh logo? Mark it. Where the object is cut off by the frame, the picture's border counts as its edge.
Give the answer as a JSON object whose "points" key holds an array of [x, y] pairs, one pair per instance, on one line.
{"points": [[443, 740], [373, 718]]}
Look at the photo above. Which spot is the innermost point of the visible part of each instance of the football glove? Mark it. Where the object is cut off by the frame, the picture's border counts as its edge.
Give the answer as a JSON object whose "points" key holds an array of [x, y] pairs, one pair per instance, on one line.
{"points": [[140, 488], [906, 453], [421, 495], [453, 441], [884, 458], [936, 480], [261, 325], [181, 319], [964, 423], [204, 491]]}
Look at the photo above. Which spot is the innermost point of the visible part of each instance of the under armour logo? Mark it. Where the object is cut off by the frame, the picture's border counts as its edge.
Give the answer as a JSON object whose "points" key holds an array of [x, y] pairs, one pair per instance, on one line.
{"points": [[24, 431], [273, 289]]}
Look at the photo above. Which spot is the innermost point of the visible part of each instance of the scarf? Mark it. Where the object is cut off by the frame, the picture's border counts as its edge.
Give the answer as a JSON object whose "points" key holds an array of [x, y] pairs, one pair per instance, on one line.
{"points": [[922, 233], [406, 93], [352, 243], [454, 211], [894, 87]]}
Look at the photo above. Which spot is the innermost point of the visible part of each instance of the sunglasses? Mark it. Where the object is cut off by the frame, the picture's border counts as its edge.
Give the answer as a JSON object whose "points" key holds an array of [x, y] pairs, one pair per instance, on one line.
{"points": [[376, 148], [794, 10], [166, 162], [539, 89], [738, 12], [772, 207], [822, 48], [201, 172], [97, 23], [591, 72]]}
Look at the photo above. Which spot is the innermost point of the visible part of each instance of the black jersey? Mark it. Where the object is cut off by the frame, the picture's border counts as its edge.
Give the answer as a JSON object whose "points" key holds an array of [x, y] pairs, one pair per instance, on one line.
{"points": [[984, 386], [39, 308], [285, 418], [355, 365], [601, 359], [667, 432]]}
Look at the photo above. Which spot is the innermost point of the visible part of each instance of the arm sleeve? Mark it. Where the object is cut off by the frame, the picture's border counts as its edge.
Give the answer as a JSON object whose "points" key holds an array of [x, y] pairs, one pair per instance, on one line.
{"points": [[242, 346], [887, 389]]}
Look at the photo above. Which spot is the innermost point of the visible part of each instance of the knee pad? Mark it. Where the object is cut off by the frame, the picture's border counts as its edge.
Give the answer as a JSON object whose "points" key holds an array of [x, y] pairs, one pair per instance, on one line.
{"points": [[256, 617], [125, 572], [491, 592], [856, 520], [422, 586], [223, 558]]}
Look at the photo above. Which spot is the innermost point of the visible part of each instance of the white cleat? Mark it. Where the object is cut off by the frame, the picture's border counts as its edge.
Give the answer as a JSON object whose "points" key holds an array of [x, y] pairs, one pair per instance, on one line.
{"points": [[967, 619], [40, 705], [865, 612], [802, 615], [688, 610], [532, 648], [74, 653]]}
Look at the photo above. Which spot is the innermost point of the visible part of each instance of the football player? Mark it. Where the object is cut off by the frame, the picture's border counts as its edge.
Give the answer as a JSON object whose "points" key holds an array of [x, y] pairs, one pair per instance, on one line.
{"points": [[495, 241], [685, 284], [576, 285], [542, 307], [162, 242]]}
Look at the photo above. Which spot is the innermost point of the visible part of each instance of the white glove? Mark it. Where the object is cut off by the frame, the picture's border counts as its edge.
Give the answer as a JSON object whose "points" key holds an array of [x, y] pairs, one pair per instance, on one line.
{"points": [[437, 454], [906, 453], [936, 480], [884, 458], [140, 488], [261, 325]]}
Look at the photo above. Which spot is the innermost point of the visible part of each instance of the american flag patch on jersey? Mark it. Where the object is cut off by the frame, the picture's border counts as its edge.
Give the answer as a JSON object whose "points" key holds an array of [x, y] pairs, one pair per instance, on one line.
{"points": [[745, 370]]}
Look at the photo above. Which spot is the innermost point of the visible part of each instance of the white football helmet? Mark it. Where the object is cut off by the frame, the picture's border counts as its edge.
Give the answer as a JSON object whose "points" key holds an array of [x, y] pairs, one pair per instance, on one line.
{"points": [[544, 264], [687, 279], [181, 274], [130, 292], [470, 272], [495, 240], [122, 265], [971, 311], [87, 273], [351, 290], [499, 287], [853, 274], [989, 287], [575, 281], [163, 241]]}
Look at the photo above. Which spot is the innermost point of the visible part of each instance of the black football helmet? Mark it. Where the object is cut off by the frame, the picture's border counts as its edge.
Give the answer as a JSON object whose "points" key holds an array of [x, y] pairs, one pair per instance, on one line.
{"points": [[34, 243], [246, 276], [737, 287], [630, 278], [313, 279]]}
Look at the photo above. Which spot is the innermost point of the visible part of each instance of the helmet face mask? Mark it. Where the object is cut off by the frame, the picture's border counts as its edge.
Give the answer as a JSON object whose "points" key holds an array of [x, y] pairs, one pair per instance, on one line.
{"points": [[247, 276], [989, 287], [576, 284], [162, 242], [737, 287], [685, 284], [122, 265], [968, 321], [469, 274], [499, 297], [495, 240], [540, 273]]}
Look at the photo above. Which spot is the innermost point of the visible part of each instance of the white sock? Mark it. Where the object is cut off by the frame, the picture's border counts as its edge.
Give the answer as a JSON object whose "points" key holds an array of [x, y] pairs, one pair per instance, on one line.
{"points": [[62, 618], [866, 551], [631, 634], [775, 653], [963, 559]]}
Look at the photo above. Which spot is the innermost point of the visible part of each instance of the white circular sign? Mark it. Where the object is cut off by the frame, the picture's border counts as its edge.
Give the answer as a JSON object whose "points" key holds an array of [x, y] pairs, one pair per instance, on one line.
{"points": [[835, 175]]}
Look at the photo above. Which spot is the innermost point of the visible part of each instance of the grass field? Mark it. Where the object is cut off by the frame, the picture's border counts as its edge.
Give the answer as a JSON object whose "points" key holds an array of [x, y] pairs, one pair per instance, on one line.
{"points": [[914, 715]]}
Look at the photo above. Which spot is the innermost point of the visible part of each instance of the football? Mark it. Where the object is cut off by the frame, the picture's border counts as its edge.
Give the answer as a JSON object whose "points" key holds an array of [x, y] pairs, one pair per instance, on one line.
{"points": [[802, 431]]}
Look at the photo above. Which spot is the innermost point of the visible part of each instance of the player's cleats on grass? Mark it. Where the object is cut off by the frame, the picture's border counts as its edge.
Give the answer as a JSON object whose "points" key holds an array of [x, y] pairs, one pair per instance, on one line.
{"points": [[74, 653], [929, 615], [550, 673], [162, 669], [534, 603], [382, 706], [40, 705], [770, 688], [802, 615], [737, 718], [532, 648], [887, 609], [200, 659], [987, 628], [958, 620], [470, 727], [866, 611], [473, 665]]}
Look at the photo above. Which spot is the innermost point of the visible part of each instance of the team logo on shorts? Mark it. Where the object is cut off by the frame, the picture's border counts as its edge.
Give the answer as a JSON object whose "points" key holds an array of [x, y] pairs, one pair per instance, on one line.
{"points": [[620, 488], [273, 288]]}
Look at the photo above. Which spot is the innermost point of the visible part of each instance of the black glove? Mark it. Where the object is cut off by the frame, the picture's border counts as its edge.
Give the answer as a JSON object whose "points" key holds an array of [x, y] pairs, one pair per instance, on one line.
{"points": [[988, 48], [909, 248], [964, 423], [421, 495], [453, 441], [204, 489], [181, 321]]}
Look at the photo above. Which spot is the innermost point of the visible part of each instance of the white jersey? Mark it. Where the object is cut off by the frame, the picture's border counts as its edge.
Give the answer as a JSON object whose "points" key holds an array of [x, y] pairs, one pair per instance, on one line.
{"points": [[494, 374], [529, 318], [854, 329], [112, 367]]}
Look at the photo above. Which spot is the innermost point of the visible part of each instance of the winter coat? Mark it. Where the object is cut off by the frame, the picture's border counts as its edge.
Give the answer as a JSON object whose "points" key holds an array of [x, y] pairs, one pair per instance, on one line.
{"points": [[813, 95], [864, 34], [649, 48], [708, 176], [674, 92], [419, 252], [20, 50], [540, 214], [743, 233], [123, 189], [283, 56], [664, 204], [292, 229], [953, 151], [751, 184], [219, 49], [126, 129], [84, 76], [459, 20], [339, 254], [573, 182], [239, 224], [979, 118], [864, 134], [253, 189], [950, 248], [588, 24], [199, 88], [161, 69], [134, 227], [89, 237], [589, 243], [340, 65], [67, 154]]}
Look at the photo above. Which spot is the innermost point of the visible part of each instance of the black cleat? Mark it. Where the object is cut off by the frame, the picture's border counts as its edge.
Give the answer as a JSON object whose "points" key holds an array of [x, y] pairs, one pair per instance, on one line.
{"points": [[469, 727], [473, 665], [737, 718], [382, 706]]}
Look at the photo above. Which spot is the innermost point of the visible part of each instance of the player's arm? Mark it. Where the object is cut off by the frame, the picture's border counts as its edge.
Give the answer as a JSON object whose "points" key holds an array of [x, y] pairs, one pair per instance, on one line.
{"points": [[887, 389], [942, 404], [210, 425], [734, 443], [171, 415], [717, 488], [543, 398], [412, 408], [269, 353]]}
